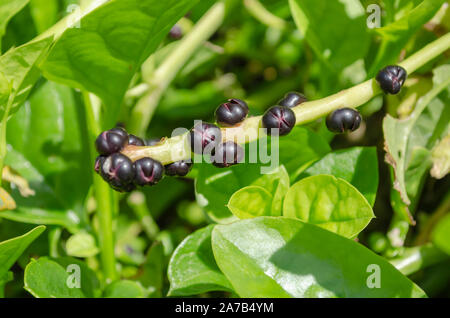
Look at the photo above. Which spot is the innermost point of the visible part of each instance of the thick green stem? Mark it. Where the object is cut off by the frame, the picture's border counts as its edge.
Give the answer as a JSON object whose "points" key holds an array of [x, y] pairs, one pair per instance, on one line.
{"points": [[177, 148], [418, 257], [166, 72], [104, 199], [256, 9]]}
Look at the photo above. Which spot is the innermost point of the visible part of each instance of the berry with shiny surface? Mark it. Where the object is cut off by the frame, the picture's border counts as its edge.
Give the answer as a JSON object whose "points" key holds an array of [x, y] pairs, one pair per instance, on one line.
{"points": [[232, 112], [204, 135], [135, 140], [344, 119], [279, 120], [227, 154], [178, 168], [391, 79], [118, 171], [148, 171], [292, 99], [111, 141]]}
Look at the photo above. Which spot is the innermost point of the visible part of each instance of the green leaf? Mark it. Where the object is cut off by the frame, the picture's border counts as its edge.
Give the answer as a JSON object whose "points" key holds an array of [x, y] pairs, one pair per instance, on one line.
{"points": [[44, 13], [214, 187], [336, 30], [153, 270], [11, 250], [397, 34], [441, 158], [441, 234], [329, 202], [45, 278], [358, 166], [110, 45], [302, 141], [18, 67], [409, 141], [81, 244], [48, 147], [192, 268], [90, 285], [282, 257], [7, 10], [250, 202], [125, 289]]}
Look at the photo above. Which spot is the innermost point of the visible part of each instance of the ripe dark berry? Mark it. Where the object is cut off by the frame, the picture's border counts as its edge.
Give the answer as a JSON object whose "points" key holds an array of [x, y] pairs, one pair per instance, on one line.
{"points": [[230, 113], [99, 163], [148, 171], [117, 170], [135, 141], [178, 168], [292, 99], [282, 118], [152, 141], [343, 119], [391, 78], [111, 141], [204, 135], [227, 154]]}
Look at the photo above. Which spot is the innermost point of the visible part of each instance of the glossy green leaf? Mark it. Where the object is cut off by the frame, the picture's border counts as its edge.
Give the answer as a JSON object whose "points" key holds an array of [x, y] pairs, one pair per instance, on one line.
{"points": [[441, 158], [329, 202], [409, 141], [250, 202], [44, 13], [283, 257], [51, 159], [90, 285], [302, 141], [18, 68], [214, 186], [12, 249], [125, 289], [441, 234], [7, 10], [110, 45], [192, 268], [45, 278], [81, 244], [335, 30], [358, 166]]}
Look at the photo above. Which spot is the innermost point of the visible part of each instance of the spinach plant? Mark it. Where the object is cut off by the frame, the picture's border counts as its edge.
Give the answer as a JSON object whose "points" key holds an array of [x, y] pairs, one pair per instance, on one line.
{"points": [[341, 190]]}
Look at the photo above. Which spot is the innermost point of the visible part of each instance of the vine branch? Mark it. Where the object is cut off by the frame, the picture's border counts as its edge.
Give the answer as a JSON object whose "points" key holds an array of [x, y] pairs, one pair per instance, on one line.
{"points": [[177, 148]]}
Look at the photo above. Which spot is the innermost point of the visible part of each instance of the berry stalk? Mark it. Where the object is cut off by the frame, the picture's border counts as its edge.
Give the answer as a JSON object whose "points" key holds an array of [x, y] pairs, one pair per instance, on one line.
{"points": [[177, 148]]}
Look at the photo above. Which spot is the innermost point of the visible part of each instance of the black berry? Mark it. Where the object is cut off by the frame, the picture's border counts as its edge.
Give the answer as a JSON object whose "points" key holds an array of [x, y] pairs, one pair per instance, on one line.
{"points": [[391, 78], [118, 171], [230, 113], [152, 141], [282, 118], [111, 141], [176, 32], [178, 168], [135, 141], [343, 119], [227, 154], [292, 99], [99, 163], [203, 135], [148, 171]]}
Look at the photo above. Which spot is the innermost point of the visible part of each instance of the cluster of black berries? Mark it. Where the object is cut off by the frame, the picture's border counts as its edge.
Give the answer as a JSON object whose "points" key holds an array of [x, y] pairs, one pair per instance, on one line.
{"points": [[120, 172]]}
